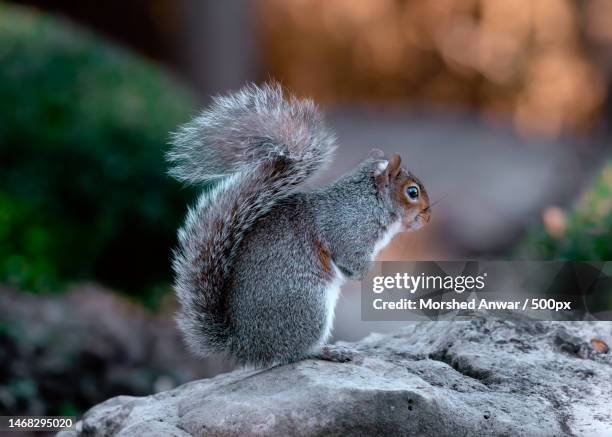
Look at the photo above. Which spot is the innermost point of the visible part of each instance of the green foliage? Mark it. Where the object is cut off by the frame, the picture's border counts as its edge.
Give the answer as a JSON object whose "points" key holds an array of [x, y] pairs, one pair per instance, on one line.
{"points": [[83, 186], [588, 235]]}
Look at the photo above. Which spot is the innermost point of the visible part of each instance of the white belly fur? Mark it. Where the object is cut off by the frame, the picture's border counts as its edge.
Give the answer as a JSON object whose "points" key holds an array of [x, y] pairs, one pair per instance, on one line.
{"points": [[331, 297], [391, 232], [333, 289]]}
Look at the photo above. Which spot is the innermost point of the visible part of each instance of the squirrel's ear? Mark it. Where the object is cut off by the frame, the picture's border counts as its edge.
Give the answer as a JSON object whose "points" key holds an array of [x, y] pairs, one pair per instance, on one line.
{"points": [[377, 154], [394, 166], [386, 171]]}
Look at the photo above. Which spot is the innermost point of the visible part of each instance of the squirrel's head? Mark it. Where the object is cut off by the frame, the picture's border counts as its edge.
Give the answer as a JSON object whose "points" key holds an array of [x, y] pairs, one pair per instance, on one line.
{"points": [[402, 190]]}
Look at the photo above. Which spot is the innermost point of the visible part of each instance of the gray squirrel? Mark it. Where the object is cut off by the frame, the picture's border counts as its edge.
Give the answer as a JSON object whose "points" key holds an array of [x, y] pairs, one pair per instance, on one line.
{"points": [[261, 258]]}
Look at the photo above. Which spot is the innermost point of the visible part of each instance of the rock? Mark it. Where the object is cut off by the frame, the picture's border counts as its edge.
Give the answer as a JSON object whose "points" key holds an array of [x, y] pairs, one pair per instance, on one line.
{"points": [[487, 377]]}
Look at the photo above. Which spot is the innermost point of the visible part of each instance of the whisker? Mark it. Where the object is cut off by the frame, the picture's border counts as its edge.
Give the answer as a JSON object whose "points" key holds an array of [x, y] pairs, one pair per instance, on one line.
{"points": [[438, 201]]}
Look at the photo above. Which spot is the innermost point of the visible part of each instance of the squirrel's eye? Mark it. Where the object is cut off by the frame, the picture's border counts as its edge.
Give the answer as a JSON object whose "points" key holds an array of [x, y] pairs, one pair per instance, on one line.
{"points": [[413, 192]]}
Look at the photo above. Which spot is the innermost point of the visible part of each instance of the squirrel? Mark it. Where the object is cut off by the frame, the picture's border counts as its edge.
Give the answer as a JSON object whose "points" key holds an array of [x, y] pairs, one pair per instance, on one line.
{"points": [[261, 258]]}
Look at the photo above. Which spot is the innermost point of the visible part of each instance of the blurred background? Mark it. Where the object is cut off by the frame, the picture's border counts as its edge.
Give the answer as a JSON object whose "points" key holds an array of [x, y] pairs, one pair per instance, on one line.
{"points": [[502, 108]]}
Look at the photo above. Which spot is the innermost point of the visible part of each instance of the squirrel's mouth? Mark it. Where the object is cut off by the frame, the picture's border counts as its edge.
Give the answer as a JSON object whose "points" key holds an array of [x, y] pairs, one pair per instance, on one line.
{"points": [[419, 220]]}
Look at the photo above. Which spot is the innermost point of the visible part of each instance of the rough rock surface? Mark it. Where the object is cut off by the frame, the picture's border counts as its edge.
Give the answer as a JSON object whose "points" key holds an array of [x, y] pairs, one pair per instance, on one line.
{"points": [[464, 378]]}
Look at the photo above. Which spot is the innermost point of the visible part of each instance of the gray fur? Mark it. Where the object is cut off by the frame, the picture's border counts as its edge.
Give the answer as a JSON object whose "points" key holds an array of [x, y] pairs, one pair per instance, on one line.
{"points": [[248, 268], [253, 124], [277, 301]]}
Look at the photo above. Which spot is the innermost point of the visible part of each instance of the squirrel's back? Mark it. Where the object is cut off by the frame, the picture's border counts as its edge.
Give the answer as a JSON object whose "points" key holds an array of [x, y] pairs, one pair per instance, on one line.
{"points": [[277, 296]]}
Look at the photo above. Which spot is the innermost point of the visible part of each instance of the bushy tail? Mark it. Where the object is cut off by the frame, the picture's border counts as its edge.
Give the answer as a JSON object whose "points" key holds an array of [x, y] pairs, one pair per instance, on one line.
{"points": [[259, 146]]}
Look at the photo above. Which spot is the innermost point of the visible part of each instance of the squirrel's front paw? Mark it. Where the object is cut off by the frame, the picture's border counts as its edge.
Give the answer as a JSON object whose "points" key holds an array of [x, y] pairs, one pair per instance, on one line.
{"points": [[336, 354]]}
